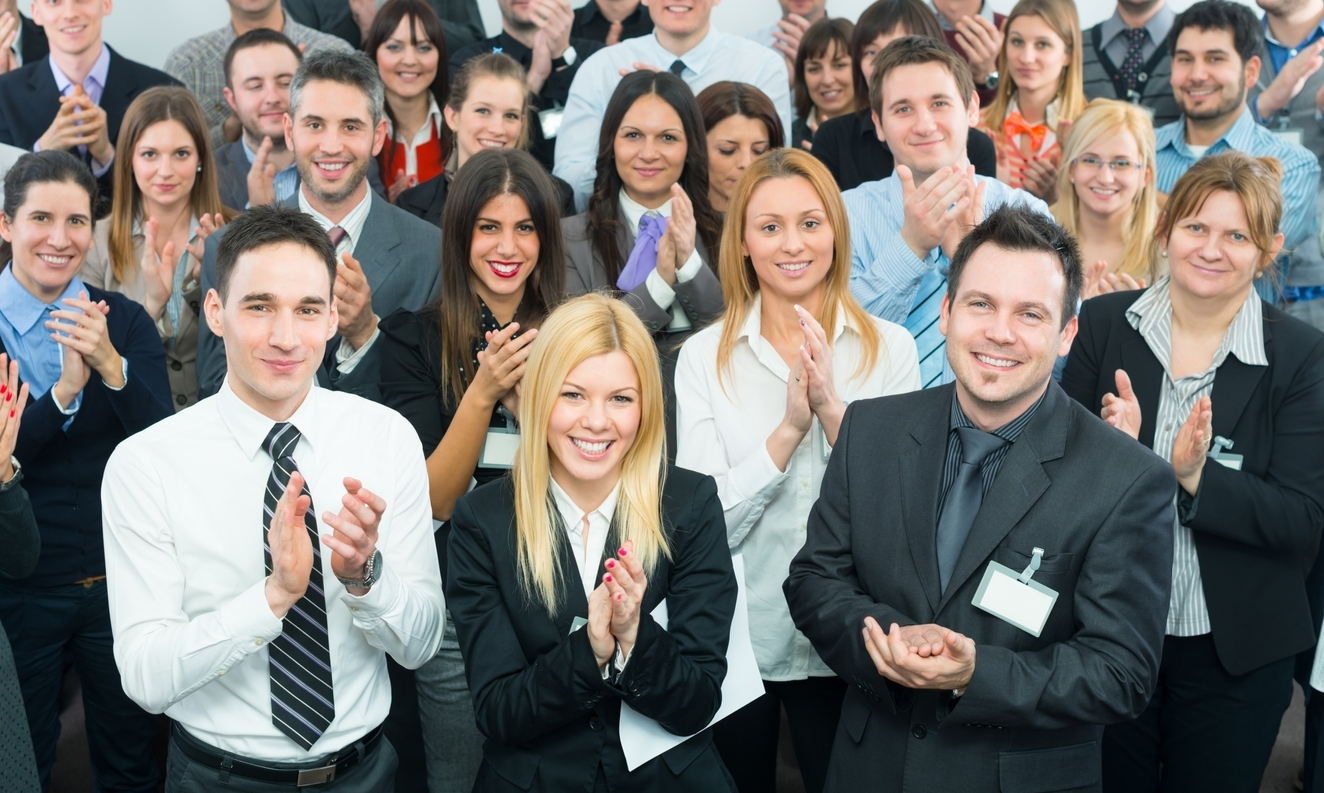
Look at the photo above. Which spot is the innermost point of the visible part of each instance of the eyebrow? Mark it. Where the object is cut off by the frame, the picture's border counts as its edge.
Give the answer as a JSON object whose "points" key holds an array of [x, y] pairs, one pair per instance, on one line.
{"points": [[482, 219], [1022, 305], [268, 297], [637, 129], [315, 117], [577, 387], [910, 101]]}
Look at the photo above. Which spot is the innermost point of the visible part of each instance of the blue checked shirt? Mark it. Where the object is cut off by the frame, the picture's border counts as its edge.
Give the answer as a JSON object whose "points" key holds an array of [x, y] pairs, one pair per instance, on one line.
{"points": [[1300, 171], [891, 282]]}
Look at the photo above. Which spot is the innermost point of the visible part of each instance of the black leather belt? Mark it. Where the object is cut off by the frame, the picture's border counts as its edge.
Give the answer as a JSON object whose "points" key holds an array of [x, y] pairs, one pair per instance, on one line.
{"points": [[333, 764]]}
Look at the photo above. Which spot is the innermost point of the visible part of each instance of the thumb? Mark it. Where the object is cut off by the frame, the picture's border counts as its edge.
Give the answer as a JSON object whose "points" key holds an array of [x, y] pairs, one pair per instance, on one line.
{"points": [[907, 178], [1124, 389], [269, 172]]}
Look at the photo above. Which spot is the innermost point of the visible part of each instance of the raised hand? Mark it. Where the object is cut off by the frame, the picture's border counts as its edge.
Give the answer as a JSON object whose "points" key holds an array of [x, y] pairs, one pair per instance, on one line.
{"points": [[599, 625], [13, 398], [786, 39], [291, 549], [982, 41], [1192, 443], [99, 144], [816, 363], [932, 657], [354, 531], [1123, 409], [77, 123], [1120, 282], [403, 182], [1290, 80], [540, 65], [354, 302], [8, 34], [501, 365], [81, 329], [677, 244], [626, 583], [1093, 286], [1040, 177], [932, 207], [158, 271], [968, 215], [262, 176], [554, 18], [207, 226], [363, 12]]}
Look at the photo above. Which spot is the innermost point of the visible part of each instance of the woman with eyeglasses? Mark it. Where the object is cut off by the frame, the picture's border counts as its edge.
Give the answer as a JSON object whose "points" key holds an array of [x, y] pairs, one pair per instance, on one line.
{"points": [[1108, 199]]}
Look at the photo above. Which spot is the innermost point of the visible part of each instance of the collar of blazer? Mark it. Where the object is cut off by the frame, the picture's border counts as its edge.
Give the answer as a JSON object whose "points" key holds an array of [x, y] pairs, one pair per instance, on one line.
{"points": [[1233, 385], [625, 239], [1021, 480]]}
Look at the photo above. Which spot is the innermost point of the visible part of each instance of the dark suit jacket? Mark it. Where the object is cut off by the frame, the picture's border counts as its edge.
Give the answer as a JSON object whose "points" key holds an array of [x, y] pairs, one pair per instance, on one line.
{"points": [[62, 469], [401, 257], [849, 146], [427, 200], [232, 167], [35, 46], [460, 20], [1256, 530], [1031, 718], [700, 297], [549, 717], [30, 100]]}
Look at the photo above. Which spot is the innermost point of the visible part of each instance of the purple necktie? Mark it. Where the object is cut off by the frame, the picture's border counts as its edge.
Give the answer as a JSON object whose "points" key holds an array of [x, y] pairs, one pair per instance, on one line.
{"points": [[643, 259]]}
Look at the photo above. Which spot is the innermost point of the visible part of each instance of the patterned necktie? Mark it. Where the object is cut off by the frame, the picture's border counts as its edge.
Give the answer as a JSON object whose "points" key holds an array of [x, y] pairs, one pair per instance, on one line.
{"points": [[302, 699], [1135, 43], [677, 66], [963, 499], [337, 235], [643, 259], [922, 322]]}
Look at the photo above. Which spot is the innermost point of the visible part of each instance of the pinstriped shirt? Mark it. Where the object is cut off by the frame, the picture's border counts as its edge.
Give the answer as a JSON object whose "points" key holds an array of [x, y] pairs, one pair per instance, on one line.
{"points": [[1151, 316], [988, 470]]}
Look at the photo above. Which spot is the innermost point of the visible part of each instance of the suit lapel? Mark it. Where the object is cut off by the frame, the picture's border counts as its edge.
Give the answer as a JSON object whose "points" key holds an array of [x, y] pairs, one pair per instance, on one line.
{"points": [[920, 471], [573, 602], [45, 95], [376, 247], [1019, 484], [1233, 386], [1146, 375]]}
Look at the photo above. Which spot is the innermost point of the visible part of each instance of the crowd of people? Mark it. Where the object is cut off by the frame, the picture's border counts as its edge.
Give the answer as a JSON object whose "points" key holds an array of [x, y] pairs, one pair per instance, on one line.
{"points": [[978, 359]]}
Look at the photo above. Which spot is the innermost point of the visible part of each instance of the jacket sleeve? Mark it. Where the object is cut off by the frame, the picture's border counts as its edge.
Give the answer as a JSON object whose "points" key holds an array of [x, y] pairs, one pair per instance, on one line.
{"points": [[145, 399], [1080, 376], [514, 700], [211, 349], [18, 530], [674, 675], [1280, 511]]}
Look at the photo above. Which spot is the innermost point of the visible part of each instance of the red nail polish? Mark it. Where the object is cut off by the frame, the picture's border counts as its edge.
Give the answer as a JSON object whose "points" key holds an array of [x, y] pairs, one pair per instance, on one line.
{"points": [[2, 389], [611, 563], [618, 597], [624, 552], [9, 397], [607, 578]]}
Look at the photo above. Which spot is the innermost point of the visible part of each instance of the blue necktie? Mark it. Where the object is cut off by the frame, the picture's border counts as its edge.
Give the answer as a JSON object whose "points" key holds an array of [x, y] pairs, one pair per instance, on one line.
{"points": [[922, 322], [643, 259]]}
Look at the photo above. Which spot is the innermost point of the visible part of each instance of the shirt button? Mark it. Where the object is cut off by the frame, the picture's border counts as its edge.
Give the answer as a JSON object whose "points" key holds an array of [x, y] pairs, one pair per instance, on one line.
{"points": [[595, 724], [221, 673], [176, 365], [258, 641], [180, 399], [919, 732]]}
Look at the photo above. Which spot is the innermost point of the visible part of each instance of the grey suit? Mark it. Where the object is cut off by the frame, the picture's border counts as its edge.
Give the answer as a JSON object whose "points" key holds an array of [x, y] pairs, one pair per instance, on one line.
{"points": [[232, 167], [1032, 718], [700, 298], [401, 257]]}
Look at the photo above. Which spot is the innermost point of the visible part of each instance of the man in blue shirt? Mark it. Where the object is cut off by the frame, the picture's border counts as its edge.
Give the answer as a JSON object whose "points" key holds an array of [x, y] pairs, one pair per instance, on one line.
{"points": [[905, 228], [1215, 48]]}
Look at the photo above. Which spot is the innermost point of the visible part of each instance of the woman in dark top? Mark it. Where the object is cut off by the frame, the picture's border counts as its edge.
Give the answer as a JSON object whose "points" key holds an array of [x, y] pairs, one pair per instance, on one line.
{"points": [[824, 78], [22, 544], [848, 145], [451, 370]]}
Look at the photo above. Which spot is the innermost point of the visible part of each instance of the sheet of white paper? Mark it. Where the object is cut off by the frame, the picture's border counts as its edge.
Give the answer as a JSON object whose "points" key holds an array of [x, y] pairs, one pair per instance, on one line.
{"points": [[642, 739]]}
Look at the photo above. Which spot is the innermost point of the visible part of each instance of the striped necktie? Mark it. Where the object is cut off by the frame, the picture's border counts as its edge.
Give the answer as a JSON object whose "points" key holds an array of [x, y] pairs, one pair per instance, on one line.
{"points": [[302, 699], [922, 322]]}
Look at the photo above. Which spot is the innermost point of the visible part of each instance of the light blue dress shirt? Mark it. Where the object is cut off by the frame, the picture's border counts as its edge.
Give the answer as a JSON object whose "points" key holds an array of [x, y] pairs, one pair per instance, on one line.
{"points": [[94, 85], [1300, 173], [23, 329], [718, 57], [285, 182], [891, 282]]}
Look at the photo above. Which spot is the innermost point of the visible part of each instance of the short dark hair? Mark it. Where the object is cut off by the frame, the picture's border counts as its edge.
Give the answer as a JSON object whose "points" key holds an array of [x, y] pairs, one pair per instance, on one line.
{"points": [[1022, 230], [258, 37], [49, 165], [1237, 19], [346, 68], [914, 50], [726, 98], [266, 225], [885, 16]]}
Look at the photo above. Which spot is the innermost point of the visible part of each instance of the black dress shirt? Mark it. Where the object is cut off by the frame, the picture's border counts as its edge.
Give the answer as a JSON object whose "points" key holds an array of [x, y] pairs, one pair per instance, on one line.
{"points": [[591, 24], [848, 145], [555, 90], [988, 471]]}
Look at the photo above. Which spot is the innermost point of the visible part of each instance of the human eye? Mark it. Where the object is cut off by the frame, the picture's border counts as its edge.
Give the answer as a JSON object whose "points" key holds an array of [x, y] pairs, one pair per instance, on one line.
{"points": [[811, 224], [869, 52], [394, 47], [622, 399], [1090, 162], [351, 127], [1122, 165], [571, 394], [77, 221], [39, 217], [1195, 228], [512, 117], [481, 111], [487, 228], [526, 228], [425, 48], [726, 152], [769, 228], [310, 311], [1237, 236], [670, 138], [813, 68], [1017, 41], [760, 150]]}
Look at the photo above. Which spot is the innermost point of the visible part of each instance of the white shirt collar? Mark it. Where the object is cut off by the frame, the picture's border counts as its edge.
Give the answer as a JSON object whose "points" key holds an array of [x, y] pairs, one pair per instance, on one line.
{"points": [[696, 60], [424, 134], [634, 211], [574, 516], [752, 333], [250, 428], [352, 223]]}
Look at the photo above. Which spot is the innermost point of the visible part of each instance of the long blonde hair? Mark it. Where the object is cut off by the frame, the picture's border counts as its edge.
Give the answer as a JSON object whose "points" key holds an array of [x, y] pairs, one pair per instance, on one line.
{"points": [[1103, 119], [587, 326], [740, 285], [1060, 15], [163, 103]]}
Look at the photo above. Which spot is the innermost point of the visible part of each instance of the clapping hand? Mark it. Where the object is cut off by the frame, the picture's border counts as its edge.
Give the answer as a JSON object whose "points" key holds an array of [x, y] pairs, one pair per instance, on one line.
{"points": [[553, 18], [931, 207], [1040, 177], [353, 296], [626, 583], [8, 35], [354, 531], [207, 226], [262, 176], [677, 243], [786, 39], [968, 215], [982, 41], [1123, 409], [921, 656], [13, 398], [501, 365], [1098, 281], [81, 330], [816, 364], [1192, 444], [158, 271], [291, 549]]}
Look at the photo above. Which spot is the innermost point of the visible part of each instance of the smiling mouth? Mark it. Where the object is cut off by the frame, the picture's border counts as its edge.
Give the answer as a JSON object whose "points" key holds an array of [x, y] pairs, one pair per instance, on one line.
{"points": [[504, 269], [331, 167], [592, 449], [1104, 191], [1201, 93], [678, 9], [648, 173], [282, 366], [793, 268], [492, 144], [55, 261], [73, 31], [1001, 363]]}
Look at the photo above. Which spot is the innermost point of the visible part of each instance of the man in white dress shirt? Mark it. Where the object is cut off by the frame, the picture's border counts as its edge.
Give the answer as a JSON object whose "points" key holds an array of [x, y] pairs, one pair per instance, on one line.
{"points": [[683, 42], [270, 657]]}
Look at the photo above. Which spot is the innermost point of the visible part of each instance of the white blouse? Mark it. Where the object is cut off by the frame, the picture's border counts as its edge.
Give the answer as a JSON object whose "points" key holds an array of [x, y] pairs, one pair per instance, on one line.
{"points": [[724, 434], [587, 549]]}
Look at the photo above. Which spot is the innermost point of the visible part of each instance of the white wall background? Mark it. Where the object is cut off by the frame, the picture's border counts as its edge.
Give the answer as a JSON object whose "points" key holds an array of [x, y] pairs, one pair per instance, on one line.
{"points": [[146, 30]]}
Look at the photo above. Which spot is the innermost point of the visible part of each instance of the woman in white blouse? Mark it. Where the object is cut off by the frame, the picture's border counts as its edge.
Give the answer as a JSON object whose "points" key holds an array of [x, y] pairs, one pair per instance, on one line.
{"points": [[760, 396]]}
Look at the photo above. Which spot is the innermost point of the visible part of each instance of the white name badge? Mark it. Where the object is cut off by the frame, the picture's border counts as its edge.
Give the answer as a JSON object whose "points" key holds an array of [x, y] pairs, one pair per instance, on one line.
{"points": [[1014, 597], [499, 449]]}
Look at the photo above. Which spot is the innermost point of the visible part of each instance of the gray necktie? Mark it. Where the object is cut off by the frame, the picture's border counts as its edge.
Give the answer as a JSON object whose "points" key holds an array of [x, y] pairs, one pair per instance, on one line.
{"points": [[677, 66], [963, 499]]}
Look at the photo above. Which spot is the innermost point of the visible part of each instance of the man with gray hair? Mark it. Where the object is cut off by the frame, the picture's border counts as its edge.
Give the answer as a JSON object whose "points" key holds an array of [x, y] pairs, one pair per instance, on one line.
{"points": [[387, 258]]}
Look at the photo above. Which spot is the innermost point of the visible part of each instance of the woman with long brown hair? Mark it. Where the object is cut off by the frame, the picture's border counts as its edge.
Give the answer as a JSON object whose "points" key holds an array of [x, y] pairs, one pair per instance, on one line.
{"points": [[166, 203], [742, 124]]}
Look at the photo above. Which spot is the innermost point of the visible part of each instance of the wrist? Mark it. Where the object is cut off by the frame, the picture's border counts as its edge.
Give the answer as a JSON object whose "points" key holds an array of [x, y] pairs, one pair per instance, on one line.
{"points": [[916, 246], [6, 471], [112, 371], [278, 600], [63, 394], [358, 338]]}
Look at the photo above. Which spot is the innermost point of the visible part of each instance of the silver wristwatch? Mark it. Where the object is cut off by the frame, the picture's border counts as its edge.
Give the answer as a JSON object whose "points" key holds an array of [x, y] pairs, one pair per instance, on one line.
{"points": [[371, 572], [16, 478]]}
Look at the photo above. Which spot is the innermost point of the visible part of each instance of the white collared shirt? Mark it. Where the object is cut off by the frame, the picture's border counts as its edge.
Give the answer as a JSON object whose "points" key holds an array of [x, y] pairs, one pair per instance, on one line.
{"points": [[724, 433], [346, 357], [659, 289], [586, 547], [717, 57], [423, 135], [186, 573]]}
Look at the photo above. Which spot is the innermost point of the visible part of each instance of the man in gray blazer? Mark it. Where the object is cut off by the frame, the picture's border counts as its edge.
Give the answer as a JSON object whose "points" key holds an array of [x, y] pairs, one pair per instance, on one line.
{"points": [[389, 258], [988, 563]]}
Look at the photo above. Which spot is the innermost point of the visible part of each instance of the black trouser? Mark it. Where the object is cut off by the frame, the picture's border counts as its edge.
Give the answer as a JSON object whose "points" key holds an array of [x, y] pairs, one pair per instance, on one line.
{"points": [[1203, 729], [747, 739], [375, 774]]}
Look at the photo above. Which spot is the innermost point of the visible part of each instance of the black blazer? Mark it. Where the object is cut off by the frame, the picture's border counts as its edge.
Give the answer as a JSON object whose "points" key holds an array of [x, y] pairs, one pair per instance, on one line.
{"points": [[848, 145], [427, 200], [1032, 717], [549, 717], [1256, 530], [35, 46], [30, 100]]}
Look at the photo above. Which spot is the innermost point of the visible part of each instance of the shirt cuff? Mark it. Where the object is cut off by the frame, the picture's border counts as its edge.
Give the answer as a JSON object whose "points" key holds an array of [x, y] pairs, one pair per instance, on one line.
{"points": [[384, 597], [660, 290], [248, 620], [124, 373], [98, 169], [347, 359], [72, 410], [690, 269]]}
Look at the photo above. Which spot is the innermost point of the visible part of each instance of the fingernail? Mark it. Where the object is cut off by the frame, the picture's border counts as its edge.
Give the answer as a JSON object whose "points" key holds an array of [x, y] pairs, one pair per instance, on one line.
{"points": [[623, 552], [611, 564], [618, 596], [802, 323], [607, 578], [2, 389], [9, 397]]}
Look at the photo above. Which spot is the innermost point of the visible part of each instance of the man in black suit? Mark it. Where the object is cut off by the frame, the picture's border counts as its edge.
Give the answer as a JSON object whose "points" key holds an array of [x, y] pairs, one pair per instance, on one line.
{"points": [[939, 505], [75, 98]]}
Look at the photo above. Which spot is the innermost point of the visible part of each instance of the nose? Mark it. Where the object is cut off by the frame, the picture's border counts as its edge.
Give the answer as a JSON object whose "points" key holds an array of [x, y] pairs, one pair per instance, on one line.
{"points": [[595, 418], [744, 158], [282, 336], [649, 150], [999, 329], [1107, 174], [59, 236], [505, 247], [924, 122], [1210, 250], [792, 241]]}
